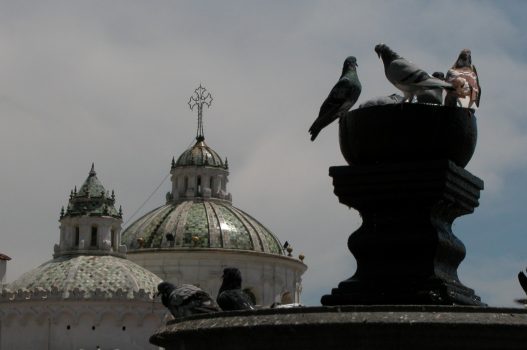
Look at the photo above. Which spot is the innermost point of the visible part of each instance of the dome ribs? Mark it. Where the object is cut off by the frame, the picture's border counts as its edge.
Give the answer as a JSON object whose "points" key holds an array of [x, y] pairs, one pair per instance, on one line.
{"points": [[182, 222], [224, 232], [253, 231], [170, 224], [215, 239], [157, 222], [239, 237]]}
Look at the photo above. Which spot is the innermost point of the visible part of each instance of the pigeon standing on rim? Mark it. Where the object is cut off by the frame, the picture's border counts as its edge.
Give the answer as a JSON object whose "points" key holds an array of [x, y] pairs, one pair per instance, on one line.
{"points": [[432, 96], [405, 75], [341, 98], [464, 77], [230, 296], [186, 300], [523, 280], [382, 100]]}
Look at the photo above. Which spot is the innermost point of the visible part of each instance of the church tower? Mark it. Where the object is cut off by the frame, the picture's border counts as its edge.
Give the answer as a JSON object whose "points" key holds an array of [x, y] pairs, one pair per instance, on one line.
{"points": [[91, 224]]}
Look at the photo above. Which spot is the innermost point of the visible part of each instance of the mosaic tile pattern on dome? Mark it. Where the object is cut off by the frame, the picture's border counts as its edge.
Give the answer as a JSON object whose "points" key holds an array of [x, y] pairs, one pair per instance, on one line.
{"points": [[88, 274], [197, 225], [239, 237], [232, 228]]}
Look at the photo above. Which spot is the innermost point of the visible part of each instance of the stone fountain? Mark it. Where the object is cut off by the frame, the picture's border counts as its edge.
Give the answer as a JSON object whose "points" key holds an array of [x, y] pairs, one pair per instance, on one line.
{"points": [[406, 177]]}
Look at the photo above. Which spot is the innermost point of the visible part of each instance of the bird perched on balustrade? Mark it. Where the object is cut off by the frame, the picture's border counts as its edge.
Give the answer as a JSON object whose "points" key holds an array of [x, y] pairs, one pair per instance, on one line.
{"points": [[230, 296], [405, 75], [382, 100], [464, 77], [340, 99], [186, 300]]}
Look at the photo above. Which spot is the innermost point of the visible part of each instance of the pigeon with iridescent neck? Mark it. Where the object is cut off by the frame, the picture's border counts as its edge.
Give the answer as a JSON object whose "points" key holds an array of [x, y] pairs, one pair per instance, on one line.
{"points": [[341, 98]]}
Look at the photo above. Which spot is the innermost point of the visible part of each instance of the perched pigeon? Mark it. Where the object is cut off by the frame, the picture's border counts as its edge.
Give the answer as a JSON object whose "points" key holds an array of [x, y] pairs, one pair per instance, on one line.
{"points": [[230, 296], [523, 280], [405, 75], [341, 98], [186, 300], [382, 100], [464, 77], [432, 96]]}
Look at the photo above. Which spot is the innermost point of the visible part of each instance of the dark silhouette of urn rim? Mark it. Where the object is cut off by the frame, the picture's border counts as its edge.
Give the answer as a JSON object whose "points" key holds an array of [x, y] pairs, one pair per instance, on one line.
{"points": [[408, 133]]}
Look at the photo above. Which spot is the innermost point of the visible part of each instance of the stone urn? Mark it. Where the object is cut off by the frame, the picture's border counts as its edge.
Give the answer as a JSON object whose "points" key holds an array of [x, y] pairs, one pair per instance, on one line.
{"points": [[408, 133]]}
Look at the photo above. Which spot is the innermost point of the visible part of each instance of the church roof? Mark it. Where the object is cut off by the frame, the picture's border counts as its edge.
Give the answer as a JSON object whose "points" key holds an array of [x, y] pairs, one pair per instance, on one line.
{"points": [[92, 199], [200, 155], [90, 276], [200, 224]]}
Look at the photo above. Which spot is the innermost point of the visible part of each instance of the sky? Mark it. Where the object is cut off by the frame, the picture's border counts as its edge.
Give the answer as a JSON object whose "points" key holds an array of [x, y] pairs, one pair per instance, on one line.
{"points": [[108, 82]]}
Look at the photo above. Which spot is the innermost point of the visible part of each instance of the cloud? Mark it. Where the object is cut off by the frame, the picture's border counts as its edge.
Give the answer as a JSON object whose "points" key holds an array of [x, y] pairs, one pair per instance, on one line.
{"points": [[108, 82]]}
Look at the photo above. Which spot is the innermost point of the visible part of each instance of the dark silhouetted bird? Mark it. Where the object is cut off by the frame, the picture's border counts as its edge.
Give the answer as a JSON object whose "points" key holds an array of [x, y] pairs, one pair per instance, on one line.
{"points": [[432, 96], [230, 296], [382, 100], [464, 77], [341, 98], [186, 300], [405, 75], [523, 280]]}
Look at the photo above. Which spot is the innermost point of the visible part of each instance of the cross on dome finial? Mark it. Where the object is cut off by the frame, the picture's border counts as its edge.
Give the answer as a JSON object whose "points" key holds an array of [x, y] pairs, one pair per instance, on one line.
{"points": [[200, 97]]}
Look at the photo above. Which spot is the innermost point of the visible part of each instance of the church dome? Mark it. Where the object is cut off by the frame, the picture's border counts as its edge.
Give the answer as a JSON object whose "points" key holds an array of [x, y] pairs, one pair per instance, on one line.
{"points": [[200, 224], [89, 260], [200, 155], [88, 276]]}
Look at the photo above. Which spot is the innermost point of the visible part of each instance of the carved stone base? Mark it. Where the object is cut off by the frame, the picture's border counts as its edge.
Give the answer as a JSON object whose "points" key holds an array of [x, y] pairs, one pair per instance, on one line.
{"points": [[405, 250]]}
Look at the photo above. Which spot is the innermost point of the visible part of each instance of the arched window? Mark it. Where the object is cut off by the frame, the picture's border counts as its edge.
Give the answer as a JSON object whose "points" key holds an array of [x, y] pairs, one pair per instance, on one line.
{"points": [[186, 183], [199, 185], [114, 243], [77, 235], [93, 240], [211, 183]]}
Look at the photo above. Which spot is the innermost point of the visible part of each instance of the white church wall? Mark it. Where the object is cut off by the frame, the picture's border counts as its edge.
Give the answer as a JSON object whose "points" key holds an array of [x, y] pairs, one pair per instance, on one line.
{"points": [[67, 325], [267, 275]]}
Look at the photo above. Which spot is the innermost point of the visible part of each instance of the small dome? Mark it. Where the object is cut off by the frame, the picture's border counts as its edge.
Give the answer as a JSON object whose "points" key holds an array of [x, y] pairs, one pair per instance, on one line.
{"points": [[91, 275], [200, 224], [200, 155]]}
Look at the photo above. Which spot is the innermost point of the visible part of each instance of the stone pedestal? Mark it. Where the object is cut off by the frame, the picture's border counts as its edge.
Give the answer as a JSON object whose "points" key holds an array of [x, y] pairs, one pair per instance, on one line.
{"points": [[405, 250], [350, 328]]}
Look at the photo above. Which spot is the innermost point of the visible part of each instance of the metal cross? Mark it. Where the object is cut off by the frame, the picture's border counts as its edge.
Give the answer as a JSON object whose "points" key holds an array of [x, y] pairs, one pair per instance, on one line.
{"points": [[200, 97]]}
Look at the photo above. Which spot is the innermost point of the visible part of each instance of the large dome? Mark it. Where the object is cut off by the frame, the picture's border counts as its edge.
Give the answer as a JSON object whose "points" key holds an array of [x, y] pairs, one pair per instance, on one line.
{"points": [[93, 276], [200, 224]]}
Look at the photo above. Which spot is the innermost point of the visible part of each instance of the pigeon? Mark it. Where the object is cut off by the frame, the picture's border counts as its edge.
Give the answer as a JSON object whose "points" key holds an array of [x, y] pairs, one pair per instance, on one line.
{"points": [[405, 75], [382, 100], [523, 280], [230, 296], [464, 77], [341, 98], [186, 300], [432, 96]]}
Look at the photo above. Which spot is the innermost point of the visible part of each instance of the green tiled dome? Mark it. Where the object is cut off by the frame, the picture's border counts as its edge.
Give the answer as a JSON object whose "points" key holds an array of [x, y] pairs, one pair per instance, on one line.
{"points": [[93, 275], [200, 224], [200, 155]]}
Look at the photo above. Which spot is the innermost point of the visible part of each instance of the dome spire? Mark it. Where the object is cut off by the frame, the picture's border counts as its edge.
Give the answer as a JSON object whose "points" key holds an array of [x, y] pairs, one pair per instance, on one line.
{"points": [[200, 97]]}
